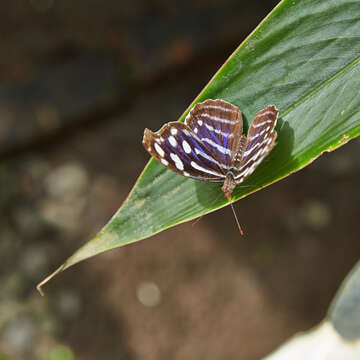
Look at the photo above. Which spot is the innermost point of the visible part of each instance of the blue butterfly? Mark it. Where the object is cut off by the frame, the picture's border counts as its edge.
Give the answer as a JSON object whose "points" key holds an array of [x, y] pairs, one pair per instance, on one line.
{"points": [[210, 145]]}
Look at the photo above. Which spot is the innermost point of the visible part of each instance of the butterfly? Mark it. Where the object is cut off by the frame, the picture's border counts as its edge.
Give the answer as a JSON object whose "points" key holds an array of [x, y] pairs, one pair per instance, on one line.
{"points": [[210, 145]]}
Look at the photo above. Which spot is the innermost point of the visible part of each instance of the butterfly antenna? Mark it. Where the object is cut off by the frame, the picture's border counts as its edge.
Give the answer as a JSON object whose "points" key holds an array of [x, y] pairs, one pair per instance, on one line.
{"points": [[236, 219]]}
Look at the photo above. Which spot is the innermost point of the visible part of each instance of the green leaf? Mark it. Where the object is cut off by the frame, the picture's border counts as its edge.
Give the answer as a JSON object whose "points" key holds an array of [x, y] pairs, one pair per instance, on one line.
{"points": [[304, 58]]}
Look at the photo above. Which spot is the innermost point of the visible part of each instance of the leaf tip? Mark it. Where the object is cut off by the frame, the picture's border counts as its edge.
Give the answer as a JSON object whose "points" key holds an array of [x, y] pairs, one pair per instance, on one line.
{"points": [[47, 279]]}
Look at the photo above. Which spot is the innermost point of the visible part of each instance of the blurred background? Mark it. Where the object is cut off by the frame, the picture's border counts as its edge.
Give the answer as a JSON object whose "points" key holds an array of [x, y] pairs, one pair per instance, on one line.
{"points": [[79, 82]]}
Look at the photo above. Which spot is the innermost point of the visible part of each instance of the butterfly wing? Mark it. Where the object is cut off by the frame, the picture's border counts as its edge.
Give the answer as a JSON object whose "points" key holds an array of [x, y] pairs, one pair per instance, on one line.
{"points": [[177, 147], [218, 124], [260, 140]]}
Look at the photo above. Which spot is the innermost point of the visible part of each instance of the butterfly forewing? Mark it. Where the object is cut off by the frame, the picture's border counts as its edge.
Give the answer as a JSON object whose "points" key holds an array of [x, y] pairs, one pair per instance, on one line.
{"points": [[218, 124], [179, 149], [260, 140]]}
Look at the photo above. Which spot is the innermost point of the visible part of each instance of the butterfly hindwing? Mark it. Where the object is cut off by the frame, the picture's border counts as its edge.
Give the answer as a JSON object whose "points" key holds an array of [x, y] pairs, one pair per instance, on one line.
{"points": [[260, 140], [179, 149]]}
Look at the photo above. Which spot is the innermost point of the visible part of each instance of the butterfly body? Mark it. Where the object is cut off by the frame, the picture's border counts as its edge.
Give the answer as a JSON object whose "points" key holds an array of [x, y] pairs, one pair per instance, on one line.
{"points": [[210, 146]]}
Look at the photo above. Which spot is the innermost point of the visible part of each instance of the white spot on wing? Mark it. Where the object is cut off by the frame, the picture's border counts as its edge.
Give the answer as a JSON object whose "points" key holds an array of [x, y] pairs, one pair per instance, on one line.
{"points": [[186, 147], [218, 131], [219, 119], [164, 162], [200, 122], [172, 141], [178, 163], [173, 131], [159, 150], [240, 178], [262, 123], [267, 113], [196, 130], [210, 158], [186, 173], [257, 158], [259, 144], [217, 146], [242, 174], [208, 171], [218, 108], [252, 138]]}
